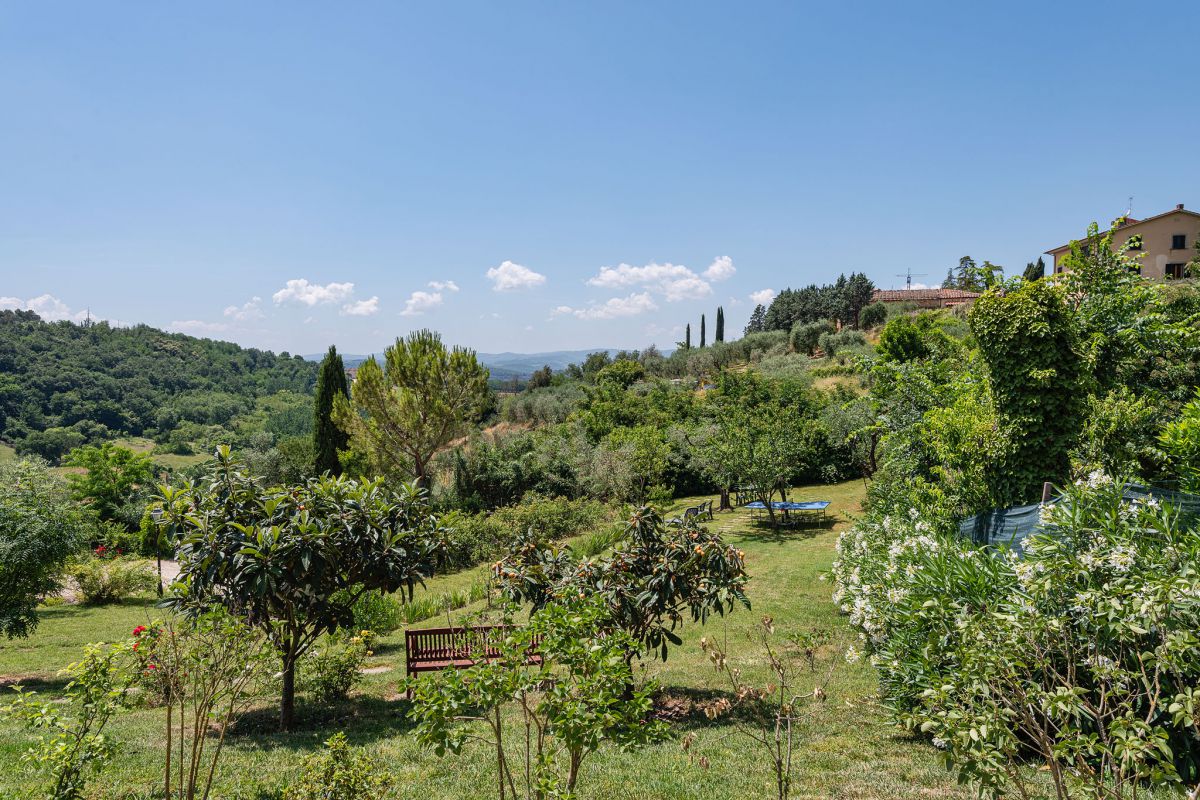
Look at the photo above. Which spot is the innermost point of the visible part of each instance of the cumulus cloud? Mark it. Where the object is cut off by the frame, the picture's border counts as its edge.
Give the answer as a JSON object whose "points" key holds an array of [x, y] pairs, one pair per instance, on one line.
{"points": [[247, 312], [509, 277], [613, 308], [673, 281], [720, 269], [299, 290], [762, 297], [361, 308], [46, 306], [419, 302], [449, 286]]}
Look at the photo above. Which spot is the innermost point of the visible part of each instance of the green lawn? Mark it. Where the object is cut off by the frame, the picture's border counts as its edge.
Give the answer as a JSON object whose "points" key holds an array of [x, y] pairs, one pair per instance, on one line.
{"points": [[849, 750], [7, 453]]}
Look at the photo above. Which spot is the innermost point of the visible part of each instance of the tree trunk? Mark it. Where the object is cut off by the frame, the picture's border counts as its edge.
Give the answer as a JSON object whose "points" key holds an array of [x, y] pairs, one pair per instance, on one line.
{"points": [[725, 504], [287, 703]]}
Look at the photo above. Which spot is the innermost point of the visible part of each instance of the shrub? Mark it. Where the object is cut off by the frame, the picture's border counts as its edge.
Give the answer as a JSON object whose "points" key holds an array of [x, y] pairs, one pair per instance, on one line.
{"points": [[831, 343], [1079, 648], [472, 538], [378, 612], [329, 674], [872, 316], [109, 580], [339, 773], [73, 743]]}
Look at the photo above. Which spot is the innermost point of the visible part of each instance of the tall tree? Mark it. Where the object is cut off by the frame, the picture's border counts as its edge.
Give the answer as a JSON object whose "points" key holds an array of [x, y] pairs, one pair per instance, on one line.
{"points": [[859, 291], [328, 438], [110, 474], [687, 337], [757, 323], [1035, 270], [424, 397], [949, 283], [967, 275], [702, 330], [719, 333]]}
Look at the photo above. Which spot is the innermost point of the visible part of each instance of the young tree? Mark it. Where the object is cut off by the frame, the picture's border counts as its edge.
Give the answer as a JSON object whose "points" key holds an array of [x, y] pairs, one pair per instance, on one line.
{"points": [[424, 397], [40, 528], [292, 562], [656, 575], [328, 438], [110, 474], [702, 342]]}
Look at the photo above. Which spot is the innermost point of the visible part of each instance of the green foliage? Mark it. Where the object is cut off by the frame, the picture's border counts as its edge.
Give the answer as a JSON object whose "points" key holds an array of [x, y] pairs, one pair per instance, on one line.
{"points": [[293, 561], [807, 335], [474, 538], [110, 474], [379, 612], [204, 671], [841, 301], [872, 316], [72, 742], [1030, 340], [1064, 651], [1180, 438], [339, 773], [40, 528], [719, 329], [580, 696], [328, 438], [655, 577], [64, 385], [834, 343], [329, 673], [424, 397], [1035, 271], [903, 339], [110, 580]]}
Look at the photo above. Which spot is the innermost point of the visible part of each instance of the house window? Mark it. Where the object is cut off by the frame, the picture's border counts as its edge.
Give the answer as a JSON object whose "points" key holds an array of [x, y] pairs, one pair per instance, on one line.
{"points": [[1175, 271], [1179, 241]]}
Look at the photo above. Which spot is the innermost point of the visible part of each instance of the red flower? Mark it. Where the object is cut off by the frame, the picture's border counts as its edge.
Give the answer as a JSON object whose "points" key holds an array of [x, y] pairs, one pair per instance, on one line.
{"points": [[139, 630]]}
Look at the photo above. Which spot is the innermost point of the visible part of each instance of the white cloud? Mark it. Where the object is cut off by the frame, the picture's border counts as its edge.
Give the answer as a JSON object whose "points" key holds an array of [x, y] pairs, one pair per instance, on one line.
{"points": [[247, 312], [449, 286], [673, 281], [48, 307], [361, 308], [762, 297], [419, 302], [299, 290], [199, 327], [720, 269], [509, 276], [613, 308]]}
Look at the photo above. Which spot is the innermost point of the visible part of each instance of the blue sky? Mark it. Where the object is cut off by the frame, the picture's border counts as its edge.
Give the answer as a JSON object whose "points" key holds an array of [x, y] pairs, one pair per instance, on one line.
{"points": [[485, 169]]}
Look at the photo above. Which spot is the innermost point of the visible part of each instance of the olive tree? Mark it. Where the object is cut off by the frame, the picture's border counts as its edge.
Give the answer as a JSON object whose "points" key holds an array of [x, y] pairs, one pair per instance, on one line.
{"points": [[292, 562], [422, 398]]}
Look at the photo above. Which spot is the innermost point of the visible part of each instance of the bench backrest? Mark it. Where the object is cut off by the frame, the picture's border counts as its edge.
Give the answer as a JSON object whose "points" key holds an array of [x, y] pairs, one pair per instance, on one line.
{"points": [[433, 644]]}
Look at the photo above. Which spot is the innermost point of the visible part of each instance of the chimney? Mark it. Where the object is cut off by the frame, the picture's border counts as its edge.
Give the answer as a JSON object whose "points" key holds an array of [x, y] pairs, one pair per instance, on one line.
{"points": [[1179, 206]]}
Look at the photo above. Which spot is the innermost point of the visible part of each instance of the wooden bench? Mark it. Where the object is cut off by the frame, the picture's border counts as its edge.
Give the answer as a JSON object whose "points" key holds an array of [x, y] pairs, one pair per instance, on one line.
{"points": [[430, 649]]}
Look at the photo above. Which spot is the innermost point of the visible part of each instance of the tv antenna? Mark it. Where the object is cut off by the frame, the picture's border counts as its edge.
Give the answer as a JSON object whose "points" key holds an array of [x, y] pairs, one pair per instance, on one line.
{"points": [[908, 276], [1129, 213]]}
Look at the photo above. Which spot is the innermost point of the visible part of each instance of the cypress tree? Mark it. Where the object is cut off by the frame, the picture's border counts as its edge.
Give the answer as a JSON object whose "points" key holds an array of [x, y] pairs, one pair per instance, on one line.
{"points": [[719, 333], [328, 438], [687, 337], [702, 330], [1035, 271]]}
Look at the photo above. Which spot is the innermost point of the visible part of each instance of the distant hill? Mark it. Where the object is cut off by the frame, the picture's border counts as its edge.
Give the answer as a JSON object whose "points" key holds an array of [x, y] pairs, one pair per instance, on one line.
{"points": [[63, 384], [505, 366]]}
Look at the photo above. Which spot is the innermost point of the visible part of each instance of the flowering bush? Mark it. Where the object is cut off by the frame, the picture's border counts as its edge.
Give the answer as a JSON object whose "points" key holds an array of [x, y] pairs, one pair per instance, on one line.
{"points": [[1080, 649], [339, 773], [330, 673]]}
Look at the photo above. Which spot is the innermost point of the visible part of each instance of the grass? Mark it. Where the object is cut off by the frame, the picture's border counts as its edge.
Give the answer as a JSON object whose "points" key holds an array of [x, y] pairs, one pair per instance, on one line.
{"points": [[7, 453], [848, 751]]}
